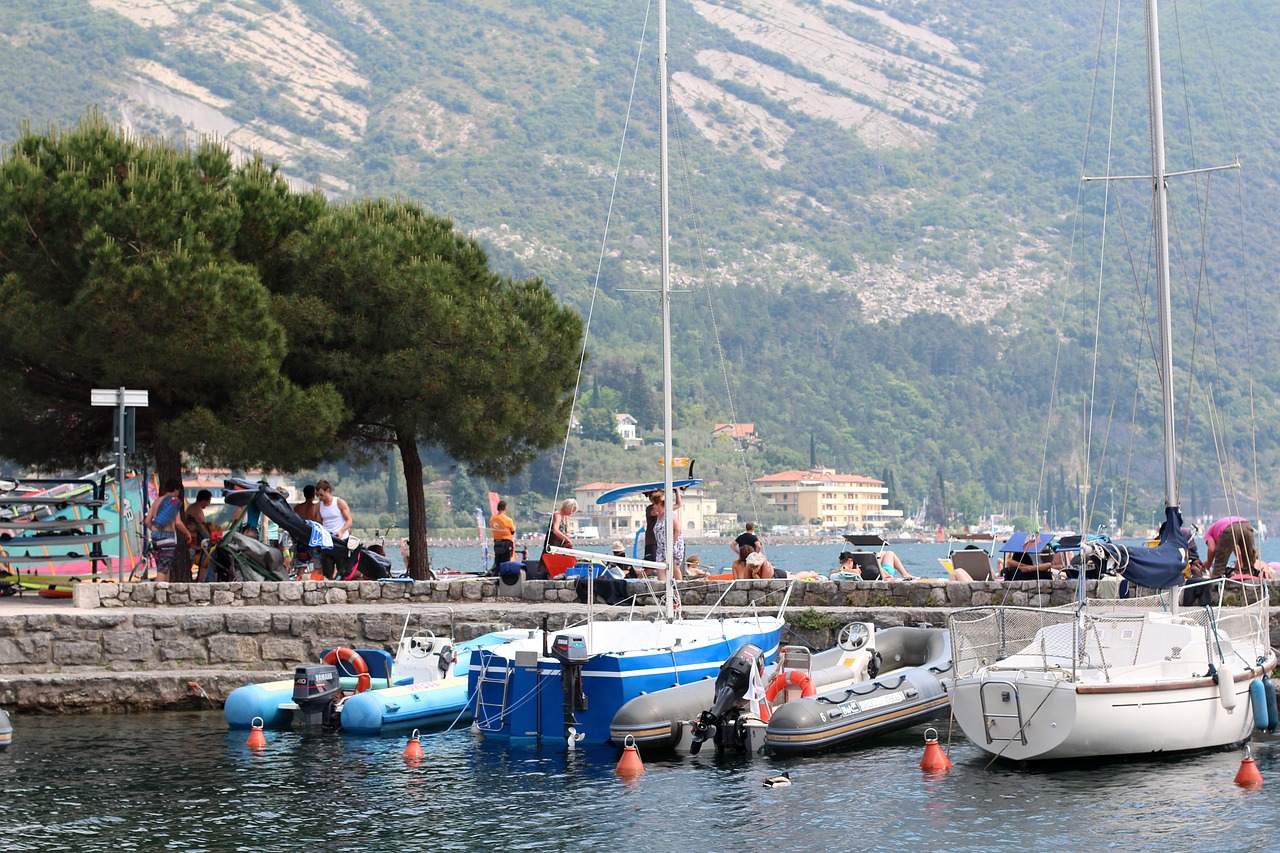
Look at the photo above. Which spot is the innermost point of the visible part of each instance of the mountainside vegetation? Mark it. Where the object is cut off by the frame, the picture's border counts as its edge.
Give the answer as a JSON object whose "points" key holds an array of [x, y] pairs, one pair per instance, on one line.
{"points": [[892, 267]]}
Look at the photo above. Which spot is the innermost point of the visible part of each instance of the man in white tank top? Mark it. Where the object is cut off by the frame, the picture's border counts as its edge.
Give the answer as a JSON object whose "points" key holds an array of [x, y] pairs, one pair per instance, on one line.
{"points": [[335, 517]]}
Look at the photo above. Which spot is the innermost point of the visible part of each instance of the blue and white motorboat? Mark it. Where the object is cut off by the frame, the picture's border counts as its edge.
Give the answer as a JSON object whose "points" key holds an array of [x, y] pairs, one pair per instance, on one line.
{"points": [[423, 686], [570, 683]]}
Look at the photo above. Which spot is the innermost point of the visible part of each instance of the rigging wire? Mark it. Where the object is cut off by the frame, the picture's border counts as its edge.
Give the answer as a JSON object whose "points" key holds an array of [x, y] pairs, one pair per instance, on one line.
{"points": [[695, 218], [604, 241]]}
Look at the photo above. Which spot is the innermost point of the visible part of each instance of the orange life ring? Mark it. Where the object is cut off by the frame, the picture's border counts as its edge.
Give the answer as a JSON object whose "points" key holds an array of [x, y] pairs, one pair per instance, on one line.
{"points": [[352, 658], [797, 677]]}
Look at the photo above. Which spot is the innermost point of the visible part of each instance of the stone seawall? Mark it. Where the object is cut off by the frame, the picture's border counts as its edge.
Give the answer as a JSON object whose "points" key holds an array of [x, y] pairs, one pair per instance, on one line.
{"points": [[490, 590], [136, 646]]}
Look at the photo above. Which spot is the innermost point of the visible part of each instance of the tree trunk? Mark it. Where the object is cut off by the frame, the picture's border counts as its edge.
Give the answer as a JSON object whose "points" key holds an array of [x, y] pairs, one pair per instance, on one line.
{"points": [[168, 462], [419, 560]]}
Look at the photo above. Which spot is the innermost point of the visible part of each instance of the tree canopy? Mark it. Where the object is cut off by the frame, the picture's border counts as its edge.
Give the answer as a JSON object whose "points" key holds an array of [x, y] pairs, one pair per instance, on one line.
{"points": [[426, 345], [119, 266]]}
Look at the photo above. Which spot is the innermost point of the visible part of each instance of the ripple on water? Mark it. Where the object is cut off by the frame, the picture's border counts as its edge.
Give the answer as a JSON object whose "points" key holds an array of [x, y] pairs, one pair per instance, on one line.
{"points": [[182, 782]]}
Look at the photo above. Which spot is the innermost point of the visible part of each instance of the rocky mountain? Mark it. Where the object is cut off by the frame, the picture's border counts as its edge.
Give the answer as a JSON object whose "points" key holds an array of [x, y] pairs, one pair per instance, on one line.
{"points": [[914, 166]]}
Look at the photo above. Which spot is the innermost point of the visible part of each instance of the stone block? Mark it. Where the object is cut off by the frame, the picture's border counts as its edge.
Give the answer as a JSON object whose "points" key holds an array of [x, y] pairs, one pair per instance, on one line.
{"points": [[86, 596], [471, 590], [223, 597], [286, 650], [142, 593], [312, 597], [128, 645], [371, 590], [154, 619], [77, 653], [303, 624], [381, 628], [250, 591], [248, 622], [335, 595], [26, 650], [233, 649], [201, 624], [184, 649], [291, 593], [201, 593]]}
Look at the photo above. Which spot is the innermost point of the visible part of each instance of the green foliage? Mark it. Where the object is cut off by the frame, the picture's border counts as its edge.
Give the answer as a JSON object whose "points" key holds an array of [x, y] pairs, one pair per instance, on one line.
{"points": [[119, 270]]}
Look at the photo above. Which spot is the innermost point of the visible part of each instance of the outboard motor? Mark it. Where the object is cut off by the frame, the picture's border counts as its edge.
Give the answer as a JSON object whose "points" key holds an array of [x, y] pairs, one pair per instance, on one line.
{"points": [[571, 651], [723, 722], [316, 690]]}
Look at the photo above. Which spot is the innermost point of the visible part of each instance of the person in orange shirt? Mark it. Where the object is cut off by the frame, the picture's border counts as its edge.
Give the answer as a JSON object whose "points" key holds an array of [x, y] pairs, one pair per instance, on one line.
{"points": [[504, 536]]}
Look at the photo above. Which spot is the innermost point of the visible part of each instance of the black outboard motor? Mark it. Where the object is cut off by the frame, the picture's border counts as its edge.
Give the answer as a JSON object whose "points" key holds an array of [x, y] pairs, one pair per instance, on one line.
{"points": [[723, 721], [571, 651], [316, 690]]}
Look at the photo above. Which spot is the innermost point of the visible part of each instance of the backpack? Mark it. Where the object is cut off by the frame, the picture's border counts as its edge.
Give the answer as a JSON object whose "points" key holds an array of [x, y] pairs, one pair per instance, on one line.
{"points": [[166, 512]]}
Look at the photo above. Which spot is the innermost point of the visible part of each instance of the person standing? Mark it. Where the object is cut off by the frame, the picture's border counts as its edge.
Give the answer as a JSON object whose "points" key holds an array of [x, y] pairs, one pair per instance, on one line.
{"points": [[650, 519], [164, 520], [660, 535], [504, 536], [335, 517], [558, 533], [308, 510], [199, 527], [747, 538]]}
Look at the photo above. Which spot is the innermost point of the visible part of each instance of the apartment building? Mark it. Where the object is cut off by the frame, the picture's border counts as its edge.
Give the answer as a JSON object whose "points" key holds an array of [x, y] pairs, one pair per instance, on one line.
{"points": [[839, 501]]}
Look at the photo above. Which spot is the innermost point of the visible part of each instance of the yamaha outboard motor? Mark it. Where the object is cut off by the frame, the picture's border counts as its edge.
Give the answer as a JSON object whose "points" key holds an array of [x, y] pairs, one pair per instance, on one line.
{"points": [[723, 723], [571, 651], [316, 690]]}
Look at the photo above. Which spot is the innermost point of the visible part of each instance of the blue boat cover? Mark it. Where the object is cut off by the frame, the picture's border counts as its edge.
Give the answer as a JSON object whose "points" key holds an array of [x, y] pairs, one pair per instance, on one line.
{"points": [[1158, 567]]}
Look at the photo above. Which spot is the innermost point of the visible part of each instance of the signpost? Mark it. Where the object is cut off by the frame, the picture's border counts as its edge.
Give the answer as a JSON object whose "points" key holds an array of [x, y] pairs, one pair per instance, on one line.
{"points": [[125, 401]]}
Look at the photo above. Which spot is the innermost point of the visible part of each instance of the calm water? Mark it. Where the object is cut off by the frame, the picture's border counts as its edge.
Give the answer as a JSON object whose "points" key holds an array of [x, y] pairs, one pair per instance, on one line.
{"points": [[183, 782]]}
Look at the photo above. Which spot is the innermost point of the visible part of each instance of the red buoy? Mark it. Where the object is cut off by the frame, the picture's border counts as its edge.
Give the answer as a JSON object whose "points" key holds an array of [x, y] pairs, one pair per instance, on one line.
{"points": [[1248, 775], [257, 740], [413, 749], [935, 760], [629, 765]]}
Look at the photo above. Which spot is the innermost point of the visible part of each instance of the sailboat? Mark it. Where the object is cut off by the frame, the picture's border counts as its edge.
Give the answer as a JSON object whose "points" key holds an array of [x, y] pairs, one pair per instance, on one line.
{"points": [[1109, 678], [570, 683]]}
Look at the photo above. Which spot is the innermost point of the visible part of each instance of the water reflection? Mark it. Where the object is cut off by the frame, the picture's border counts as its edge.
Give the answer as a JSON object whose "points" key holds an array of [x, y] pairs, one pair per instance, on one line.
{"points": [[183, 782]]}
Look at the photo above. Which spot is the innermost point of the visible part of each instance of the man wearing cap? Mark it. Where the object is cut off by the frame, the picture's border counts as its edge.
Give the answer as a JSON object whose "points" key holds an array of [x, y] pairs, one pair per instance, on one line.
{"points": [[504, 536]]}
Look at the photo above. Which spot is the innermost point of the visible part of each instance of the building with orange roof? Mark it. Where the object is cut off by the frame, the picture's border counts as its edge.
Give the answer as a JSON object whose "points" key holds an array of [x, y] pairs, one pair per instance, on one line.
{"points": [[838, 501]]}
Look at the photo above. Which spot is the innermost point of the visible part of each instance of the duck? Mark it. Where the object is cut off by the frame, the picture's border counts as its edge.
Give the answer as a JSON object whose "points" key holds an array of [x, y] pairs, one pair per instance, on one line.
{"points": [[780, 781]]}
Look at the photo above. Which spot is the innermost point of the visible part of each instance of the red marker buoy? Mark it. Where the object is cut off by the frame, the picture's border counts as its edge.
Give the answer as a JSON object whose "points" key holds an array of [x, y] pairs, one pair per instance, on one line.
{"points": [[629, 765], [1248, 775], [413, 749], [257, 740], [935, 760]]}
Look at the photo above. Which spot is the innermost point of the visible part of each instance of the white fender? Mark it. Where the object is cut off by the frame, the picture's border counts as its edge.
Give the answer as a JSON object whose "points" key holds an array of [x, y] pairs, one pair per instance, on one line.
{"points": [[1227, 690]]}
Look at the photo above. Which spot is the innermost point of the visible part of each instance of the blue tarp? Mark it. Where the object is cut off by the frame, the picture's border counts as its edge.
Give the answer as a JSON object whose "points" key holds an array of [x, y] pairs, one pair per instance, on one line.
{"points": [[1158, 567], [1017, 543]]}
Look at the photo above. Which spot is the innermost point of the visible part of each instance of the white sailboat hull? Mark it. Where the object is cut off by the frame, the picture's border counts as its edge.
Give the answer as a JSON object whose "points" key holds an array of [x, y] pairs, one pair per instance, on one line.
{"points": [[1061, 721], [1110, 678]]}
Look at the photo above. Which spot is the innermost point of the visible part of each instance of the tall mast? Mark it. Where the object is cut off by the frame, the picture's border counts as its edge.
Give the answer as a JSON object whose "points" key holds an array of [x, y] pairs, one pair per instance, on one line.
{"points": [[1160, 213], [668, 518]]}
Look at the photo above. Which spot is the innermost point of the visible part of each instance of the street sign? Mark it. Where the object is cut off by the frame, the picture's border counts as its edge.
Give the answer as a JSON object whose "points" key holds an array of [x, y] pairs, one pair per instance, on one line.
{"points": [[111, 397]]}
